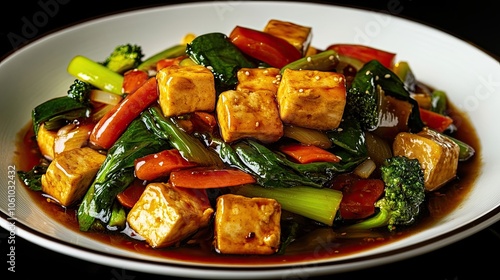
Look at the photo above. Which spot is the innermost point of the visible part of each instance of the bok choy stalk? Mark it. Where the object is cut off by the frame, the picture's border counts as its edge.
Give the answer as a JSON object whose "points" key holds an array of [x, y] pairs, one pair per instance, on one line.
{"points": [[117, 172], [320, 205]]}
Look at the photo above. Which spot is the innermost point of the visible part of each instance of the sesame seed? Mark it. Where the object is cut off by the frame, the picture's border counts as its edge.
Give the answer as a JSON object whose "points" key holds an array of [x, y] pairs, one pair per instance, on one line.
{"points": [[247, 73], [331, 57], [387, 76], [301, 90], [317, 77], [210, 67], [309, 59]]}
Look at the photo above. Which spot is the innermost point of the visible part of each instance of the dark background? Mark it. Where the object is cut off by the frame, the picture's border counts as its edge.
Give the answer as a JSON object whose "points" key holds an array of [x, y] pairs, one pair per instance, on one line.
{"points": [[475, 257]]}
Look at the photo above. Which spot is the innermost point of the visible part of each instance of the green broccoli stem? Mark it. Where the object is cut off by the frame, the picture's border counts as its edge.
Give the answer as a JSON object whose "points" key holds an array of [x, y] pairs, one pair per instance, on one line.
{"points": [[380, 219], [317, 204], [95, 74]]}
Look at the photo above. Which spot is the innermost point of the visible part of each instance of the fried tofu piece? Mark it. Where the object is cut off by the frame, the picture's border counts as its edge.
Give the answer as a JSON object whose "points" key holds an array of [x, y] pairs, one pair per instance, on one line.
{"points": [[253, 79], [246, 225], [45, 139], [298, 35], [165, 215], [249, 114], [311, 98], [70, 174], [437, 155], [186, 89]]}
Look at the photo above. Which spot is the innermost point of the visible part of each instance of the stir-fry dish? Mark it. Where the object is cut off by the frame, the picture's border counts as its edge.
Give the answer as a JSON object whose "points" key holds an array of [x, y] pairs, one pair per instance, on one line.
{"points": [[244, 139]]}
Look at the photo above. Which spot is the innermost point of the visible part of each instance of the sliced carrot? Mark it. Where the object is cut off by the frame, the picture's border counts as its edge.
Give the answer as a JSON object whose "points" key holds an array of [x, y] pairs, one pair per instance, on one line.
{"points": [[308, 153], [133, 79], [160, 164], [131, 194], [435, 120], [205, 178], [116, 120]]}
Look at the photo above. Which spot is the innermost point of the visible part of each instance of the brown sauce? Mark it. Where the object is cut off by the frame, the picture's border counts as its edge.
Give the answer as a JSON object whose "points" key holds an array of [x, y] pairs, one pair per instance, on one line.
{"points": [[324, 243]]}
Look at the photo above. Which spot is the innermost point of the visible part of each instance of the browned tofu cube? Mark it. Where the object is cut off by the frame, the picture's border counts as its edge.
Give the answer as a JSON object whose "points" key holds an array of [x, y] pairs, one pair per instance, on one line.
{"points": [[70, 174], [249, 114], [312, 99], [45, 140], [165, 215], [186, 89], [253, 79], [298, 35], [437, 155], [246, 225]]}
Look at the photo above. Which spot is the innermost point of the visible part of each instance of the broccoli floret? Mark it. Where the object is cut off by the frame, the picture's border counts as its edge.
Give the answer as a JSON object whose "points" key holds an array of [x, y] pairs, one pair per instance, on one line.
{"points": [[403, 197], [124, 57], [80, 91]]}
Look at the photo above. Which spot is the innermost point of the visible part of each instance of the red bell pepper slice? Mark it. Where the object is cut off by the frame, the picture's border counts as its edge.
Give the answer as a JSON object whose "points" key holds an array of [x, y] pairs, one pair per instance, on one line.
{"points": [[275, 51], [133, 79], [359, 197], [435, 120], [116, 120], [131, 194], [205, 178], [364, 53]]}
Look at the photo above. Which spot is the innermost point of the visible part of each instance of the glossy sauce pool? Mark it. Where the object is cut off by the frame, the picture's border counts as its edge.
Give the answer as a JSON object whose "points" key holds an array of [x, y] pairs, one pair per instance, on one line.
{"points": [[321, 243]]}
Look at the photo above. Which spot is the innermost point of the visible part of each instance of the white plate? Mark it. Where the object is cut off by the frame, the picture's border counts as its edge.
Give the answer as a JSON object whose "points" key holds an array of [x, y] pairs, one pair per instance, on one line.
{"points": [[471, 77]]}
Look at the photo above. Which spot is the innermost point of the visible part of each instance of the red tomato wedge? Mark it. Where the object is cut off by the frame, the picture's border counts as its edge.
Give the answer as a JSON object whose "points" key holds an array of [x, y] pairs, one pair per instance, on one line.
{"points": [[131, 194], [205, 178], [159, 164], [275, 51], [435, 120], [364, 53], [133, 79], [116, 120], [359, 198], [308, 153]]}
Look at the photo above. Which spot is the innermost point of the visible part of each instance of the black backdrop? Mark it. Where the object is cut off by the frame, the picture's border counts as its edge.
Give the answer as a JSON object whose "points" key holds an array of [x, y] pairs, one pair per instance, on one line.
{"points": [[475, 257]]}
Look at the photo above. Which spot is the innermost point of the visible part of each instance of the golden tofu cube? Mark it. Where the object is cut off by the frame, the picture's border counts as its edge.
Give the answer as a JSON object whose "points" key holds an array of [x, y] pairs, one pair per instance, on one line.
{"points": [[246, 225], [186, 89], [45, 140], [437, 154], [249, 114], [254, 79], [298, 35], [165, 215], [70, 174], [311, 98]]}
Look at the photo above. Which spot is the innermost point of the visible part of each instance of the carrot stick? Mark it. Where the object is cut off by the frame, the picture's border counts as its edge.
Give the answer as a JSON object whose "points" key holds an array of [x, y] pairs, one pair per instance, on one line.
{"points": [[115, 121], [204, 178], [308, 153], [159, 164]]}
